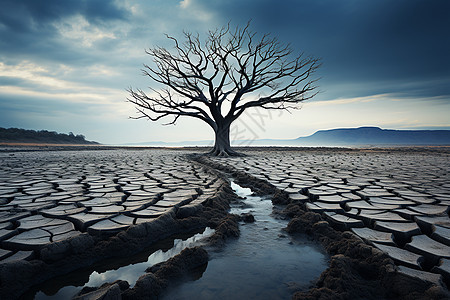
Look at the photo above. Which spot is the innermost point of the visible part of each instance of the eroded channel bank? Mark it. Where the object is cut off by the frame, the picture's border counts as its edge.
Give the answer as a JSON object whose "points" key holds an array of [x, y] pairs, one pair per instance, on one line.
{"points": [[40, 190], [271, 264], [356, 270], [263, 263], [128, 268]]}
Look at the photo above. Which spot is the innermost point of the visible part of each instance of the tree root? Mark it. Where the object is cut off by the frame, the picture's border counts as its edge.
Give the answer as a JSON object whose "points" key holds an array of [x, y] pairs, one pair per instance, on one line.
{"points": [[224, 153]]}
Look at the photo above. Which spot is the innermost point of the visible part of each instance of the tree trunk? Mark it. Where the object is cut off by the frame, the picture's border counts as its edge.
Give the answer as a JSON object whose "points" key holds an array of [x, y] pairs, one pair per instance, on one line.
{"points": [[222, 145]]}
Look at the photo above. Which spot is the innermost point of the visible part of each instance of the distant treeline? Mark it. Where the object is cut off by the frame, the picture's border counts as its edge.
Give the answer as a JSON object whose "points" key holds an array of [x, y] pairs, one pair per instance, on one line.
{"points": [[17, 135]]}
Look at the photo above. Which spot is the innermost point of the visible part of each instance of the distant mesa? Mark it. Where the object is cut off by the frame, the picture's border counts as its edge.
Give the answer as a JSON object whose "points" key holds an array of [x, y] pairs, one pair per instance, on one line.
{"points": [[377, 136], [17, 135], [342, 137]]}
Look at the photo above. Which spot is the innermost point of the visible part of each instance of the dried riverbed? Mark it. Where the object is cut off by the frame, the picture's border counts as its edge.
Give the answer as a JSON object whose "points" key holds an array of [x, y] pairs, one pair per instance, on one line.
{"points": [[381, 213]]}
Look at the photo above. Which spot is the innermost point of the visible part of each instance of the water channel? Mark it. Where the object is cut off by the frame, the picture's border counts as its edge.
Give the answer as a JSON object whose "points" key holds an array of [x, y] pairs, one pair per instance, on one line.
{"points": [[263, 263], [130, 269]]}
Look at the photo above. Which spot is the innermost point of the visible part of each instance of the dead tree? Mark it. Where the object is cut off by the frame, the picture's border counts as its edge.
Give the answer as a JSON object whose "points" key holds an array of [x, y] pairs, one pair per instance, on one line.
{"points": [[218, 79]]}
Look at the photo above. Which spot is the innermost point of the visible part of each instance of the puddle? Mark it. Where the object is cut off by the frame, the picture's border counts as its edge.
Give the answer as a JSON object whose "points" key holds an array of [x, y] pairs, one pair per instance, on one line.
{"points": [[128, 272], [263, 263]]}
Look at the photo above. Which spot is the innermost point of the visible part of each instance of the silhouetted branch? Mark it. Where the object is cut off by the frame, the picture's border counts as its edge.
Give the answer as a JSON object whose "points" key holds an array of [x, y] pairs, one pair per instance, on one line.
{"points": [[235, 66]]}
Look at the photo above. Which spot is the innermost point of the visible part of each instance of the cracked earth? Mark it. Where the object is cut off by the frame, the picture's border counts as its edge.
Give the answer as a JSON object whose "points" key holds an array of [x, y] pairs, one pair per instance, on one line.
{"points": [[394, 200]]}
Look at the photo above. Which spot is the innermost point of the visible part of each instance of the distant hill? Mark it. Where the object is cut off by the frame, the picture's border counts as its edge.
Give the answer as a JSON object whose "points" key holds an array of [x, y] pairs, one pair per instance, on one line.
{"points": [[377, 136], [17, 135], [362, 136]]}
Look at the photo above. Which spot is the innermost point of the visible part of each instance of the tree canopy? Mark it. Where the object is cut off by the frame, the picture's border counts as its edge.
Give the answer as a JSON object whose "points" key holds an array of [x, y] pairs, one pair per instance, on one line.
{"points": [[218, 79]]}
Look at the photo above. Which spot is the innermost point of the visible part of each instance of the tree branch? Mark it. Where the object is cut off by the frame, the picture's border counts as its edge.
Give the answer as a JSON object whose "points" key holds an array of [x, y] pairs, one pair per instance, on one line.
{"points": [[231, 65]]}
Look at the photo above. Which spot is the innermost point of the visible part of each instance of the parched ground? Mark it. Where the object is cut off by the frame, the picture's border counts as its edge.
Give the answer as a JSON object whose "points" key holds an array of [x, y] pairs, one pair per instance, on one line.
{"points": [[51, 196], [396, 200], [52, 203]]}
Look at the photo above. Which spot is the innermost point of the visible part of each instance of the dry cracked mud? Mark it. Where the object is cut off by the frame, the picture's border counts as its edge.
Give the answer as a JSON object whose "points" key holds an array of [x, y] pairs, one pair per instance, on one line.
{"points": [[382, 213]]}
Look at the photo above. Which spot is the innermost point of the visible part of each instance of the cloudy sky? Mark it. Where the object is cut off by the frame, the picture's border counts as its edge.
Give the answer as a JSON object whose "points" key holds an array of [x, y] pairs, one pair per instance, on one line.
{"points": [[65, 65]]}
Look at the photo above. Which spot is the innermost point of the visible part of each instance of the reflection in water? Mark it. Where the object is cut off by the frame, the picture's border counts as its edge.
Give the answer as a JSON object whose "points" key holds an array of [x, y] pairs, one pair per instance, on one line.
{"points": [[263, 263], [133, 272], [128, 273]]}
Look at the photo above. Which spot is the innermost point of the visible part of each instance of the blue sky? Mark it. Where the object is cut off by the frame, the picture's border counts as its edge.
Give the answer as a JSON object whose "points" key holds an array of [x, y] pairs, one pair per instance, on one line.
{"points": [[66, 65]]}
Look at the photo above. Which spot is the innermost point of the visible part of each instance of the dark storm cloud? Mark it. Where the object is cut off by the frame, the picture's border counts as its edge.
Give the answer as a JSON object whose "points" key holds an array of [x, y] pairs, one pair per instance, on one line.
{"points": [[26, 15], [27, 26], [87, 52], [376, 44], [402, 41]]}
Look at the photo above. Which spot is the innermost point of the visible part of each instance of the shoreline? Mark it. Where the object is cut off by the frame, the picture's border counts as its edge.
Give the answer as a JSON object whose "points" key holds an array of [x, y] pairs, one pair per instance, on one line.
{"points": [[14, 147]]}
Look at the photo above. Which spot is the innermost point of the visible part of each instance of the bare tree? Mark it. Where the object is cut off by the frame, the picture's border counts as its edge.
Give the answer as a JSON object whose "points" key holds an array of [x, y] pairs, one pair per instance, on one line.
{"points": [[217, 80]]}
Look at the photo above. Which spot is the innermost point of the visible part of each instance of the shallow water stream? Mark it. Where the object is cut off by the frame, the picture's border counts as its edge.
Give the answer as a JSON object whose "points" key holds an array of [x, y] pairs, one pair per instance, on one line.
{"points": [[263, 263], [130, 272]]}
